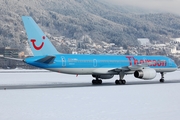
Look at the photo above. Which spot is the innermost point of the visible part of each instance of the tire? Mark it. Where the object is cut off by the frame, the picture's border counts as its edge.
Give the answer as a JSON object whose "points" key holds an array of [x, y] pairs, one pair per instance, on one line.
{"points": [[123, 82], [93, 82], [117, 82], [99, 81], [162, 80]]}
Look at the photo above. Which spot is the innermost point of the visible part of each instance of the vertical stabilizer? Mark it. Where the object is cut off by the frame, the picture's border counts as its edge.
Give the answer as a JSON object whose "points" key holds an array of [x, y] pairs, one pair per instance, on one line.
{"points": [[39, 43]]}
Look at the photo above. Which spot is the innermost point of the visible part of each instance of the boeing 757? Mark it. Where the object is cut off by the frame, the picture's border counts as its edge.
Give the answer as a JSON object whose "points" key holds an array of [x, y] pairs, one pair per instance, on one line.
{"points": [[100, 67]]}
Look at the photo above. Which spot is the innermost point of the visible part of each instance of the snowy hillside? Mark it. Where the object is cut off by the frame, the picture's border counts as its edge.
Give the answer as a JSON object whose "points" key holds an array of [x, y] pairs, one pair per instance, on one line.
{"points": [[75, 18]]}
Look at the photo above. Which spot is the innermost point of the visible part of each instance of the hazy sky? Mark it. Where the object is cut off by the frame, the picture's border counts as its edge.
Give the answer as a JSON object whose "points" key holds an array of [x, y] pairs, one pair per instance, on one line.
{"points": [[164, 5]]}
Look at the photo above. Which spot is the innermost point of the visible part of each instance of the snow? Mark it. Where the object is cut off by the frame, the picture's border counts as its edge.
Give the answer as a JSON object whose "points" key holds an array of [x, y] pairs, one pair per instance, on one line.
{"points": [[55, 96]]}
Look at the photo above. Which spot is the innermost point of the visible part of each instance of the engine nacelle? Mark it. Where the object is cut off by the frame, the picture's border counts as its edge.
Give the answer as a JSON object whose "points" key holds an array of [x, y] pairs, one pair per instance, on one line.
{"points": [[103, 76], [145, 74]]}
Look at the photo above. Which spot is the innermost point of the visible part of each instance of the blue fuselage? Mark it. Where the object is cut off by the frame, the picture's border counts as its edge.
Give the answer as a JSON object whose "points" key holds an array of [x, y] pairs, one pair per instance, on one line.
{"points": [[86, 64]]}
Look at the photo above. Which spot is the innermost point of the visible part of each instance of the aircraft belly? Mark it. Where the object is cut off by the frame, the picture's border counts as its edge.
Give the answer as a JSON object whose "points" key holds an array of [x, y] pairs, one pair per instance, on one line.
{"points": [[165, 69], [104, 71], [86, 71], [80, 71]]}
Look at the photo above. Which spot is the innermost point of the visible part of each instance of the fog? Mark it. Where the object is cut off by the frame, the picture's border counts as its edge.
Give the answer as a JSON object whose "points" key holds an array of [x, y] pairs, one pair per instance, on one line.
{"points": [[162, 5]]}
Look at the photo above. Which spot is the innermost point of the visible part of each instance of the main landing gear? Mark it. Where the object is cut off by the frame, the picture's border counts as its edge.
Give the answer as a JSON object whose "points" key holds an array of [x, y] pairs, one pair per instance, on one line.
{"points": [[162, 77], [97, 81], [121, 81]]}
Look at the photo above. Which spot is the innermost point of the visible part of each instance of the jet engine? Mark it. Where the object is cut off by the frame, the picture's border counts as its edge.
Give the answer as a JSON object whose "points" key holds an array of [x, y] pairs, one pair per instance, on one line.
{"points": [[145, 74], [103, 76]]}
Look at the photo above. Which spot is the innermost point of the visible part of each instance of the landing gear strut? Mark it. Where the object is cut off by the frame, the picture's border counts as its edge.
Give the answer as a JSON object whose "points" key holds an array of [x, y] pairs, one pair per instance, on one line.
{"points": [[121, 81], [162, 77], [97, 81]]}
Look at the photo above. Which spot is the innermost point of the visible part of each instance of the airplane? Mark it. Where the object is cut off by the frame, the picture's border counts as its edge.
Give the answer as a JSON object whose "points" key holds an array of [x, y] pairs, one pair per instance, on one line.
{"points": [[100, 67]]}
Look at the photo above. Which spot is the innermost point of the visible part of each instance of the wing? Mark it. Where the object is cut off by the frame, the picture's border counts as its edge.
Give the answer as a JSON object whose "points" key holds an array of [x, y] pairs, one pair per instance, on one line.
{"points": [[126, 69], [135, 67]]}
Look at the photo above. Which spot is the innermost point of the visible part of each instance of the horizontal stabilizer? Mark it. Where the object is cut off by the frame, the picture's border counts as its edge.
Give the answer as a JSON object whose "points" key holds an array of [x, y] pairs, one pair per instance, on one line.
{"points": [[47, 60], [10, 58]]}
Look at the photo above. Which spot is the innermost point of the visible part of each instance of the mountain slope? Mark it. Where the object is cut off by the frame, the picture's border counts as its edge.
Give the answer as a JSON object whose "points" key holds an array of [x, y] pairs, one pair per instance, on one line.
{"points": [[76, 18]]}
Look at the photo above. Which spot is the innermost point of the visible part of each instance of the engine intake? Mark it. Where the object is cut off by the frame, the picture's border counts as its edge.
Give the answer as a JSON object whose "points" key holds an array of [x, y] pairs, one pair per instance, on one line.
{"points": [[145, 74]]}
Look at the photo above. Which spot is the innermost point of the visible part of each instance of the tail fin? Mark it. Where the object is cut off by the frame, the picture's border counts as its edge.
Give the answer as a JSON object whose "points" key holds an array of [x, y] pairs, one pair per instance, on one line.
{"points": [[39, 43]]}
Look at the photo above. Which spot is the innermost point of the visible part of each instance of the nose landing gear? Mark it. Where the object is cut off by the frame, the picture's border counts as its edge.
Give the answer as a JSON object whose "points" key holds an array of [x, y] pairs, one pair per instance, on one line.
{"points": [[162, 77]]}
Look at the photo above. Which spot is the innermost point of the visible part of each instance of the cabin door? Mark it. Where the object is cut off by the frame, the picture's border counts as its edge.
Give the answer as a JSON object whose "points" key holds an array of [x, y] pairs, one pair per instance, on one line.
{"points": [[63, 61], [170, 62], [95, 63]]}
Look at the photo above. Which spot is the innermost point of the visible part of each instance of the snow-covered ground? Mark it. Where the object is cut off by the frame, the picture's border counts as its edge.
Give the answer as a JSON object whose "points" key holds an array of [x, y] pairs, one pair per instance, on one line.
{"points": [[54, 96]]}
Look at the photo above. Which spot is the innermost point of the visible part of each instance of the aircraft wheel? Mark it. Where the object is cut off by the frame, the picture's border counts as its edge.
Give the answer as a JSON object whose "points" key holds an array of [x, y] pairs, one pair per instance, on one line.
{"points": [[161, 80], [96, 82], [120, 82], [123, 82], [93, 82], [99, 81], [117, 82]]}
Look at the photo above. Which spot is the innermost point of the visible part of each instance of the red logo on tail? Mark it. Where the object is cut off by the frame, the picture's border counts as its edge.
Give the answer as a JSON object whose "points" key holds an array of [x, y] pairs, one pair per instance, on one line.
{"points": [[38, 47]]}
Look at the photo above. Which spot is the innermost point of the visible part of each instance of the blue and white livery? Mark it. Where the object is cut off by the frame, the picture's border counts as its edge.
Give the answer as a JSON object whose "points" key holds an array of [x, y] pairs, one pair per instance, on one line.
{"points": [[99, 66]]}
